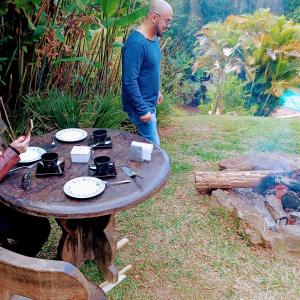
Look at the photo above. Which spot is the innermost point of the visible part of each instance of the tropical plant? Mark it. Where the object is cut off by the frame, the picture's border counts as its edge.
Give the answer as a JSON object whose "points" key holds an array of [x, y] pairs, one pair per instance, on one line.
{"points": [[267, 47], [219, 55]]}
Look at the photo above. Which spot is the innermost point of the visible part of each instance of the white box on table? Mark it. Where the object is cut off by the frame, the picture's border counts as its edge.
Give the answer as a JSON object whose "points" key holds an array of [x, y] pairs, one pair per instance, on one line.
{"points": [[146, 149], [80, 154]]}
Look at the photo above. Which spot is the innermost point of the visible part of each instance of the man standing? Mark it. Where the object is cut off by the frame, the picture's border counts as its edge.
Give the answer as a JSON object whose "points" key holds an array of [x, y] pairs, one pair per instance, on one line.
{"points": [[141, 58]]}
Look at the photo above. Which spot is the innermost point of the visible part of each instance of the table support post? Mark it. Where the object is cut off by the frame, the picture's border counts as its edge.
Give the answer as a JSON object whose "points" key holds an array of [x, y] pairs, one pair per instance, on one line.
{"points": [[90, 238]]}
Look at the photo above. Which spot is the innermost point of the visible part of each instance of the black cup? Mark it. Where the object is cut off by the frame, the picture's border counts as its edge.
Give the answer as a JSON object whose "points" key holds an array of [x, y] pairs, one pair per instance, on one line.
{"points": [[102, 164], [49, 161], [99, 135]]}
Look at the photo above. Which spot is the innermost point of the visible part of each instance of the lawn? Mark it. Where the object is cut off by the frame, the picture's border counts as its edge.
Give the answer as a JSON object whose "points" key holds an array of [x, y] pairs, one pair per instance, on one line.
{"points": [[183, 248]]}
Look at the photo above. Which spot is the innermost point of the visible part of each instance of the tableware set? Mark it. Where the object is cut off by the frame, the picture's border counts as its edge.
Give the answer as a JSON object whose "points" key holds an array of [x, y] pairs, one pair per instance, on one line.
{"points": [[56, 170], [100, 140], [71, 135], [32, 154], [50, 164]]}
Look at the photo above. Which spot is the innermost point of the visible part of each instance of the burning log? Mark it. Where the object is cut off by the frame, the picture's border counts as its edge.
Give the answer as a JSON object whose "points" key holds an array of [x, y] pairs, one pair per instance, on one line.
{"points": [[208, 181], [274, 206]]}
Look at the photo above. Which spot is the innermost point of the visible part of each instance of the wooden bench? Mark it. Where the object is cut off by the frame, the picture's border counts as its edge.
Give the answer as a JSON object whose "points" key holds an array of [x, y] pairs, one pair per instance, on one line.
{"points": [[24, 277]]}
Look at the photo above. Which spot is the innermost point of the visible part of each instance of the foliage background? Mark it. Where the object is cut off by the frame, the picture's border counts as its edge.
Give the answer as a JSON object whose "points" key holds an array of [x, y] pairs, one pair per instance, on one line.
{"points": [[266, 78], [71, 46]]}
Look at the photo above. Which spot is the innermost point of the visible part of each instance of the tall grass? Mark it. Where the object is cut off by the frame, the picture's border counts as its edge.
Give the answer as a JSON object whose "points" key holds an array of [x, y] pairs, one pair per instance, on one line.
{"points": [[62, 110]]}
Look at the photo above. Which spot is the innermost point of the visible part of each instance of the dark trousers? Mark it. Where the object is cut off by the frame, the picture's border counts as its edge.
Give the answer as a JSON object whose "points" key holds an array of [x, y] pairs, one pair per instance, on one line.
{"points": [[21, 233]]}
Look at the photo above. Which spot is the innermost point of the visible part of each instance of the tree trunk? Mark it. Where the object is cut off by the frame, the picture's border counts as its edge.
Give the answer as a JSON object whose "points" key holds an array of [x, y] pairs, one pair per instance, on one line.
{"points": [[195, 11], [220, 103]]}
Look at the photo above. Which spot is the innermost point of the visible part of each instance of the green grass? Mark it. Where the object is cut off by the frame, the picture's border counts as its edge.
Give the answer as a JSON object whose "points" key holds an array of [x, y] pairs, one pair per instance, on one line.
{"points": [[182, 248]]}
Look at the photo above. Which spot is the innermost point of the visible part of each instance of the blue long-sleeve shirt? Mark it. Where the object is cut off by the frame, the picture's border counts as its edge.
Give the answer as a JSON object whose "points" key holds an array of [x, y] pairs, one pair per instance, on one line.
{"points": [[141, 60]]}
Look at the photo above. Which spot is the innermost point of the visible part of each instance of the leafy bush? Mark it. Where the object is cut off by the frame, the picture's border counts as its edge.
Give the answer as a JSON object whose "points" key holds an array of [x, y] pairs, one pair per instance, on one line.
{"points": [[295, 15], [178, 58], [292, 9], [176, 72], [205, 108], [233, 91]]}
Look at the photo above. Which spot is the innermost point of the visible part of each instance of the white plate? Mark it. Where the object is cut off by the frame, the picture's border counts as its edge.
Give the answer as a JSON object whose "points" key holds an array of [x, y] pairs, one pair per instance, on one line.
{"points": [[84, 187], [71, 135], [32, 154]]}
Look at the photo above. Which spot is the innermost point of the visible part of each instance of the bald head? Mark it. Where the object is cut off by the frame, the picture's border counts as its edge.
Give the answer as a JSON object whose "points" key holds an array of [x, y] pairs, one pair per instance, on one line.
{"points": [[158, 20], [160, 7]]}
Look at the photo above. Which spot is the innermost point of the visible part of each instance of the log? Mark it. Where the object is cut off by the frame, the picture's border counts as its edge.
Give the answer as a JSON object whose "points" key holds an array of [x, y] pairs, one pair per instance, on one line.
{"points": [[208, 181], [274, 206]]}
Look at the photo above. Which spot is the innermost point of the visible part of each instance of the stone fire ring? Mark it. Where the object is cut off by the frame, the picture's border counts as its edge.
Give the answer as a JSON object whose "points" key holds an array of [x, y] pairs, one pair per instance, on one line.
{"points": [[252, 213]]}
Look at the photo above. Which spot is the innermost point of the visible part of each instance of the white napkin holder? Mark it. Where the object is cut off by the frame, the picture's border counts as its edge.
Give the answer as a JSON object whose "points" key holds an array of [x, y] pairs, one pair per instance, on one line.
{"points": [[140, 151], [80, 154]]}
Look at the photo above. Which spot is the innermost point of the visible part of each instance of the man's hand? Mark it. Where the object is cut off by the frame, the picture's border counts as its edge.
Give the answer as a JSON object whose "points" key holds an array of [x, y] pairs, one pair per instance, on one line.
{"points": [[21, 143], [146, 118], [160, 98]]}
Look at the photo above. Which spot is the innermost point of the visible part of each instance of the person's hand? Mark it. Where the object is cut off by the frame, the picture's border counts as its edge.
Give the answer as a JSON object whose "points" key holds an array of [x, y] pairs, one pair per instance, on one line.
{"points": [[160, 98], [146, 118], [21, 143]]}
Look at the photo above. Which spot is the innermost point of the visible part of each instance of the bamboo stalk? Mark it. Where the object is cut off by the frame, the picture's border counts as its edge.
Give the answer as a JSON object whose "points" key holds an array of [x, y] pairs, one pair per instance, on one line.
{"points": [[10, 130]]}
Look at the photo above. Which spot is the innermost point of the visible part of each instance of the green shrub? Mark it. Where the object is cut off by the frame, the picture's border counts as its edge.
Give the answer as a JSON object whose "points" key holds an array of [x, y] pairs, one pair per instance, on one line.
{"points": [[175, 76], [233, 91], [205, 108]]}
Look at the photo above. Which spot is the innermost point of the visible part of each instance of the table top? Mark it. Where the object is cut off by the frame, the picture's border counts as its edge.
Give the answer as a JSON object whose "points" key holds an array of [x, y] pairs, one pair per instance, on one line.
{"points": [[46, 197]]}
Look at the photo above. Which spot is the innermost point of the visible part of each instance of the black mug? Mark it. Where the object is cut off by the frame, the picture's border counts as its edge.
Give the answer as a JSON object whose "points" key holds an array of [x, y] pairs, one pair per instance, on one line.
{"points": [[102, 164], [99, 135], [49, 161]]}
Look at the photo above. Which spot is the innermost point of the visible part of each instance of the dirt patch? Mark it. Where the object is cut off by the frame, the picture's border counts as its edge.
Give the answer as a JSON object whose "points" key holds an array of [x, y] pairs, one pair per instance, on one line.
{"points": [[190, 109], [167, 130]]}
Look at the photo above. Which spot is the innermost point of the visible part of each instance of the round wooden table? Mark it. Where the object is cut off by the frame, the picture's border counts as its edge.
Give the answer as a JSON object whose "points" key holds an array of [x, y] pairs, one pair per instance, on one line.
{"points": [[87, 224]]}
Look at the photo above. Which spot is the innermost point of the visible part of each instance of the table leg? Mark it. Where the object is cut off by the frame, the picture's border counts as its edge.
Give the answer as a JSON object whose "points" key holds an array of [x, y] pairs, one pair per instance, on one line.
{"points": [[91, 238]]}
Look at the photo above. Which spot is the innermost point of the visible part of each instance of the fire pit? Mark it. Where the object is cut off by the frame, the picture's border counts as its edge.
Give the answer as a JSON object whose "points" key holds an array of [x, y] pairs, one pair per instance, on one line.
{"points": [[263, 191]]}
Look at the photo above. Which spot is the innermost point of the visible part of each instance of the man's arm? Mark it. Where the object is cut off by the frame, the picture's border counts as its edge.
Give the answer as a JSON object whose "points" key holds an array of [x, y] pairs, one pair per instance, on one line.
{"points": [[132, 61]]}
